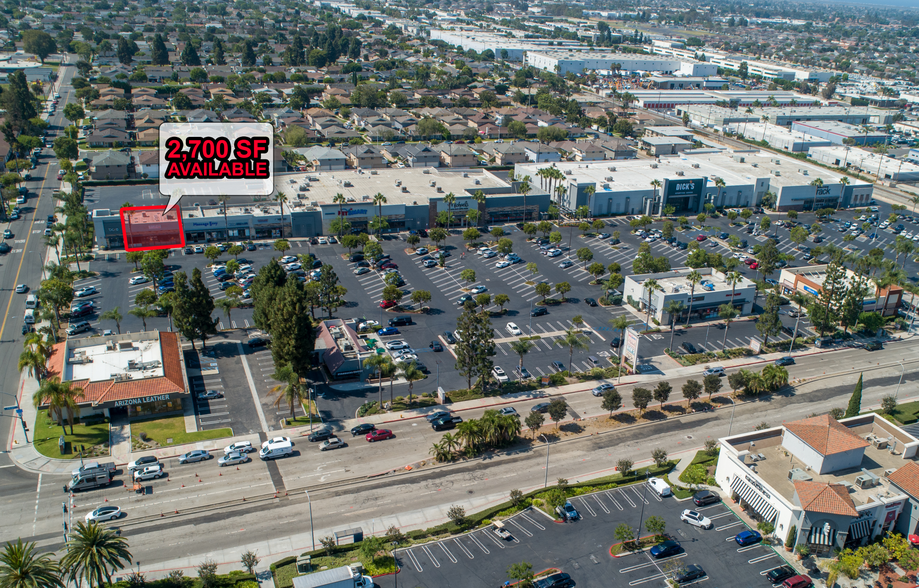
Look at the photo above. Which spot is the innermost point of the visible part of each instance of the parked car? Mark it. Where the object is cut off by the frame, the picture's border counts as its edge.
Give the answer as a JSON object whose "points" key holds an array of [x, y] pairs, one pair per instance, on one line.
{"points": [[379, 435], [695, 519], [386, 331], [557, 580], [688, 347], [660, 486], [780, 574], [704, 497], [362, 429], [748, 537], [87, 291], [665, 549], [233, 458], [448, 336], [559, 366], [568, 512], [194, 456], [688, 574], [437, 415], [320, 435], [142, 462], [590, 302], [500, 374], [539, 311], [447, 422]]}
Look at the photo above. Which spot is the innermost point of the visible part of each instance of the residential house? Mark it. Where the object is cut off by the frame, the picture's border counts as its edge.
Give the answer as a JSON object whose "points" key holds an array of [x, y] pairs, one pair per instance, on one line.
{"points": [[335, 133], [148, 163], [581, 150], [420, 155], [144, 101], [504, 153], [281, 116], [108, 119], [364, 156], [149, 137], [201, 115], [324, 158], [158, 75], [237, 115], [539, 153], [110, 165], [457, 156], [312, 114], [109, 138], [148, 119], [617, 148]]}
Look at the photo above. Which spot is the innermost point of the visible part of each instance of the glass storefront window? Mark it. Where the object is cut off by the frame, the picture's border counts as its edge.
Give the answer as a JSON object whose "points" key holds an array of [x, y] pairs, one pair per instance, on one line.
{"points": [[153, 408]]}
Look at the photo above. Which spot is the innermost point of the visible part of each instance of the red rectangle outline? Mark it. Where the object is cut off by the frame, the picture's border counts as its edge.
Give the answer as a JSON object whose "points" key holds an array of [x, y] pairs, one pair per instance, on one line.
{"points": [[124, 231]]}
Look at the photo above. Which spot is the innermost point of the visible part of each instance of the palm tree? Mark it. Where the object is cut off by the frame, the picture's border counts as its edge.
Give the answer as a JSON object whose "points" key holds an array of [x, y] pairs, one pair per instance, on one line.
{"points": [[291, 390], [521, 348], [656, 184], [560, 192], [650, 285], [620, 323], [733, 278], [412, 374], [377, 363], [54, 241], [94, 553], [674, 308], [450, 441], [34, 362], [113, 315], [590, 191], [22, 567], [845, 182], [227, 305], [281, 199], [143, 313], [450, 200], [379, 200], [439, 452], [774, 376], [524, 189], [470, 433], [572, 339], [223, 199], [340, 200], [719, 183], [727, 313], [35, 342], [693, 278], [479, 197]]}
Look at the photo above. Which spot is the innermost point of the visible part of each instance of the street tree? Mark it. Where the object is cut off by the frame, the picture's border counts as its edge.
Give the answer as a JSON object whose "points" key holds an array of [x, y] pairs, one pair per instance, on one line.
{"points": [[641, 398], [265, 288], [768, 324], [612, 401], [558, 408], [692, 389], [662, 392], [712, 384], [194, 306], [475, 347]]}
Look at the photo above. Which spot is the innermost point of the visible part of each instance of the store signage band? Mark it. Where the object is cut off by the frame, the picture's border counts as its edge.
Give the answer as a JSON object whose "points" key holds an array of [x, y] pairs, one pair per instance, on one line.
{"points": [[758, 486], [144, 400]]}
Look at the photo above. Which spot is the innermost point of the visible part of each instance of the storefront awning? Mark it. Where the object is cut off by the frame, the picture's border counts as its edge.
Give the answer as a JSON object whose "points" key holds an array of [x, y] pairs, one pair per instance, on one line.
{"points": [[822, 535], [753, 498], [860, 528]]}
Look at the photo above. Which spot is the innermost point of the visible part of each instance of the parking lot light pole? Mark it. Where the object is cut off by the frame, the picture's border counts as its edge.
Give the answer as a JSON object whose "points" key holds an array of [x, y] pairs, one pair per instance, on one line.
{"points": [[733, 406], [644, 490], [902, 369], [312, 536], [794, 335], [531, 317], [544, 438]]}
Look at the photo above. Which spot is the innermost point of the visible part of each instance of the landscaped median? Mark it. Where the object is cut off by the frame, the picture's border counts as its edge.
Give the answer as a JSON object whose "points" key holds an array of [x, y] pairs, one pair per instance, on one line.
{"points": [[375, 553]]}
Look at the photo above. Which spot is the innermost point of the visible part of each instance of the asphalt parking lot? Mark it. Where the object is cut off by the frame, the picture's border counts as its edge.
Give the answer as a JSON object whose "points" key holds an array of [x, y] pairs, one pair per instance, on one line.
{"points": [[582, 548]]}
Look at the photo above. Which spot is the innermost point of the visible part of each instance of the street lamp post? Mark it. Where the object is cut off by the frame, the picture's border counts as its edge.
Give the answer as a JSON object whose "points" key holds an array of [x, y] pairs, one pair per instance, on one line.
{"points": [[794, 335], [531, 317], [706, 335], [733, 406], [644, 490], [312, 536], [546, 485], [902, 369]]}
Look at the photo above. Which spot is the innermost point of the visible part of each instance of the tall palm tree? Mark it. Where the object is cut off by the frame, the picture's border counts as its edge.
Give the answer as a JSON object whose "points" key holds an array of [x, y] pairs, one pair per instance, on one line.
{"points": [[733, 278], [113, 315], [145, 312], [524, 189], [572, 339], [479, 197], [223, 199], [226, 305], [651, 286], [450, 441], [845, 182], [693, 278], [450, 199], [290, 390], [412, 374], [379, 200], [470, 433], [22, 567], [590, 191], [560, 193], [674, 308], [727, 313], [54, 241], [94, 553], [340, 200], [377, 363], [719, 183], [656, 184], [34, 362], [35, 342], [281, 198], [521, 348], [620, 323]]}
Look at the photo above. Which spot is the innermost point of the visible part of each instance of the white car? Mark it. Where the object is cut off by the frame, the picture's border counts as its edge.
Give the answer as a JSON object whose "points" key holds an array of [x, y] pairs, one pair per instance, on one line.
{"points": [[477, 290], [87, 291], [392, 345], [554, 252], [103, 513], [659, 486], [331, 443], [408, 357], [503, 264], [566, 264], [695, 519], [288, 259], [276, 440], [367, 325], [233, 458], [142, 462], [238, 447], [489, 254], [22, 289], [499, 374], [138, 280], [290, 267], [513, 329], [150, 472], [404, 351], [323, 241]]}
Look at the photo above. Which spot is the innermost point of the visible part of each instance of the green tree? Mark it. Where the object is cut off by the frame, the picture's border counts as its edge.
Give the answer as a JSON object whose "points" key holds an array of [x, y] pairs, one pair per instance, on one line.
{"points": [[475, 347], [543, 289], [572, 339], [563, 288], [558, 408], [39, 43], [657, 525], [521, 348], [468, 276], [290, 390], [194, 306], [94, 554], [641, 398], [768, 324], [855, 401], [522, 572], [265, 288], [612, 401], [623, 532], [727, 313], [21, 566], [113, 315], [292, 333], [662, 392], [712, 384]]}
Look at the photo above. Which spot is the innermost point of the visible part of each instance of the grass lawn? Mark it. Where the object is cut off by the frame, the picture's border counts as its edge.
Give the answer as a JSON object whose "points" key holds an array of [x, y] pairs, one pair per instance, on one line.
{"points": [[697, 471], [162, 429], [46, 433], [284, 575], [907, 413]]}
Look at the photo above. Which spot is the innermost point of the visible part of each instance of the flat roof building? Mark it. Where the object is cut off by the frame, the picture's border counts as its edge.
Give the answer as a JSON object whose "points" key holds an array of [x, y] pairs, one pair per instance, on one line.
{"points": [[504, 47], [839, 133], [562, 62], [837, 483], [136, 374], [809, 280], [674, 286], [876, 164], [778, 137]]}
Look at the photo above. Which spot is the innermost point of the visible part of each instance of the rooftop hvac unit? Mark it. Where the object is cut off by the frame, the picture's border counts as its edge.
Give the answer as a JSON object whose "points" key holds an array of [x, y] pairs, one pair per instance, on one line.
{"points": [[405, 188], [365, 198], [567, 172], [606, 186], [611, 168], [776, 172], [398, 182], [754, 164], [478, 182], [316, 202], [465, 174], [426, 171], [373, 172], [433, 183], [440, 190], [680, 173], [653, 166], [695, 166]]}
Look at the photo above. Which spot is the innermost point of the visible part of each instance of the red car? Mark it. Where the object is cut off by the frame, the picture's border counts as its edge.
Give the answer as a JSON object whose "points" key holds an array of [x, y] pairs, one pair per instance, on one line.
{"points": [[749, 261], [701, 238], [379, 435], [754, 265], [387, 304], [387, 266]]}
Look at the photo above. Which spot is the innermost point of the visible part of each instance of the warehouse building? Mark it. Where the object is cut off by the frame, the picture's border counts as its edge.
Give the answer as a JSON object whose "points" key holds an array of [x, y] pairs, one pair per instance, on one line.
{"points": [[778, 137], [786, 116], [840, 133], [825, 483], [674, 286], [882, 166], [688, 182], [509, 48], [671, 99], [562, 62]]}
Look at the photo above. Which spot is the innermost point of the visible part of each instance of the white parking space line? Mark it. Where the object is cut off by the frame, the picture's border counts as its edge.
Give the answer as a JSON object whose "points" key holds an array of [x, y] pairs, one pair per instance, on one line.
{"points": [[494, 539], [769, 555], [623, 494], [430, 556], [447, 552], [613, 499], [535, 524], [600, 502], [639, 494], [477, 542], [519, 526], [588, 507], [729, 526], [414, 561], [463, 547]]}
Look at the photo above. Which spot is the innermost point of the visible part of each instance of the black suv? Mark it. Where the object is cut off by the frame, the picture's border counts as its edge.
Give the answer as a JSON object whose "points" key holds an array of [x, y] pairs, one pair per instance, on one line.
{"points": [[688, 347], [780, 574], [704, 497], [321, 435], [559, 580], [449, 337], [539, 311], [447, 422]]}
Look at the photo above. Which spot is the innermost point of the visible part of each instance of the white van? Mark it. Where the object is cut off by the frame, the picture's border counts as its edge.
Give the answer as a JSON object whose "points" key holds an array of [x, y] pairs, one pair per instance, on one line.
{"points": [[659, 486], [276, 450], [29, 317], [31, 301]]}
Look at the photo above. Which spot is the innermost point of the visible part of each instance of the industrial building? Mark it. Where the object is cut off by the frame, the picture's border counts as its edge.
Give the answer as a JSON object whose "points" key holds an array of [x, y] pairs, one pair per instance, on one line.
{"points": [[840, 133], [688, 183], [809, 280], [885, 168], [718, 118], [778, 137], [766, 69], [504, 47], [825, 483], [672, 99], [673, 286], [135, 374], [561, 62]]}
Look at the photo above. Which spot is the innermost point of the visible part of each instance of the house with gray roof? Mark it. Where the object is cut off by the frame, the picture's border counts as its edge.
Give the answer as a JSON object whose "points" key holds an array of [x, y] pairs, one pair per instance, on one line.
{"points": [[111, 165]]}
